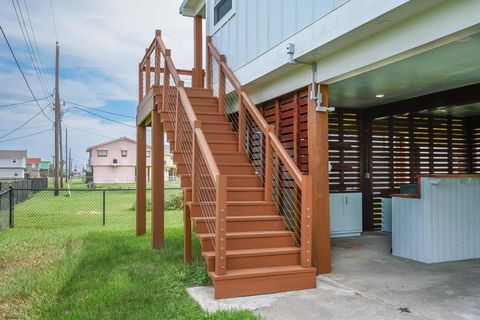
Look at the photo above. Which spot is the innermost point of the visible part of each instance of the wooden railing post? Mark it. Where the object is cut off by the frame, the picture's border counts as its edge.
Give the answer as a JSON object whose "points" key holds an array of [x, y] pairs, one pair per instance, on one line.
{"points": [[147, 71], [178, 123], [209, 64], [157, 61], [221, 226], [166, 83], [306, 223], [195, 163], [140, 83], [241, 123], [268, 165], [221, 86]]}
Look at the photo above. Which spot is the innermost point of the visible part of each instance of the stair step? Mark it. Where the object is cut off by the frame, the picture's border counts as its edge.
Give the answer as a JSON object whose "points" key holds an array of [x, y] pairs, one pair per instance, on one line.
{"points": [[239, 208], [199, 93], [213, 136], [256, 258], [223, 146], [243, 223], [216, 125], [205, 101], [253, 281], [245, 168], [207, 116], [249, 240]]}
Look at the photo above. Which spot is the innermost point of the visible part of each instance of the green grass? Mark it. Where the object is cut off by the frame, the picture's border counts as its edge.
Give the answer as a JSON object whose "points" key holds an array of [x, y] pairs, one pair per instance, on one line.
{"points": [[60, 262]]}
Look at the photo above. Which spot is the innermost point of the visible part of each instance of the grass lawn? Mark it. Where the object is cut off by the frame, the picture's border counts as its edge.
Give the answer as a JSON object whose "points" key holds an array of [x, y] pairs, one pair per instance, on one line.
{"points": [[59, 262]]}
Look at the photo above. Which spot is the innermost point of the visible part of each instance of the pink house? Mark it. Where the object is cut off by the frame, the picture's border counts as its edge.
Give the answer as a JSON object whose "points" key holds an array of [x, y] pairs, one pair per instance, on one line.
{"points": [[114, 161]]}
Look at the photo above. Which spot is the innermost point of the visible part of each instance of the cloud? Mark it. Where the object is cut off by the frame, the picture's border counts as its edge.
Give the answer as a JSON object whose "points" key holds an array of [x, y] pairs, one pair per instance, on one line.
{"points": [[101, 43]]}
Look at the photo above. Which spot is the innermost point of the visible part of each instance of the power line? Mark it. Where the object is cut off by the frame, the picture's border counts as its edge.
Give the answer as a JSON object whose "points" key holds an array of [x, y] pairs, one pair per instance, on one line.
{"points": [[28, 44], [54, 21], [36, 44], [96, 109], [25, 123], [22, 102], [26, 136], [30, 127], [100, 116], [92, 133], [23, 74]]}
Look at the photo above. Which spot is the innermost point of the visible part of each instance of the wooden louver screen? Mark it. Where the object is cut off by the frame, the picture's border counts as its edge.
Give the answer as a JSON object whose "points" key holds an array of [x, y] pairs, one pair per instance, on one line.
{"points": [[404, 146], [289, 116]]}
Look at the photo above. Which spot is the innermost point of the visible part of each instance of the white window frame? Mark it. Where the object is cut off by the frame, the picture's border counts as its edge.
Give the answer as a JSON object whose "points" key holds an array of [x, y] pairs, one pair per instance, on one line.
{"points": [[106, 153], [217, 26], [121, 153]]}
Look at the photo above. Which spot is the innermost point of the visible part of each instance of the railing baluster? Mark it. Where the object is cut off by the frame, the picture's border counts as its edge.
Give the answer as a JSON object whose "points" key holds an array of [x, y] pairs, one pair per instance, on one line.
{"points": [[178, 124], [209, 65], [221, 226]]}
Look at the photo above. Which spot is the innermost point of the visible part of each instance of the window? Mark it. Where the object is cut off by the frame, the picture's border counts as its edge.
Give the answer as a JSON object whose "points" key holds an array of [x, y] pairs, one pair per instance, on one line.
{"points": [[222, 7], [148, 154], [124, 153], [14, 160], [102, 153], [115, 161]]}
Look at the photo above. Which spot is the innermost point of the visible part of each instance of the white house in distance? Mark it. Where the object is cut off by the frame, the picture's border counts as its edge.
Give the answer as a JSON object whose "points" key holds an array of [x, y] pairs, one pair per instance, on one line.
{"points": [[114, 161], [13, 164]]}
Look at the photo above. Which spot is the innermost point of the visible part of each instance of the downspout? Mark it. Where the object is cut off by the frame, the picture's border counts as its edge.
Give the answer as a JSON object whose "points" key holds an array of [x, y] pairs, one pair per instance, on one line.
{"points": [[314, 94]]}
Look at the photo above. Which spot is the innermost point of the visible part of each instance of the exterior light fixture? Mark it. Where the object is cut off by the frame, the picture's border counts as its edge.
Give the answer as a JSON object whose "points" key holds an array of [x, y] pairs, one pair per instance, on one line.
{"points": [[380, 95]]}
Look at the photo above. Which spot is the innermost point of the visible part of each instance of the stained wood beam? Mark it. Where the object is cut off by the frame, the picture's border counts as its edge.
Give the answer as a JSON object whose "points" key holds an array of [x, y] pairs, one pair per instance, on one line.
{"points": [[141, 214], [157, 184], [318, 169], [197, 79]]}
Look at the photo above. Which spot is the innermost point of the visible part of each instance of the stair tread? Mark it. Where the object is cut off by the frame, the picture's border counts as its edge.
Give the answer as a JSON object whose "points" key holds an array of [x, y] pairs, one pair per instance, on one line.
{"points": [[244, 203], [249, 234], [242, 218], [259, 272], [254, 252]]}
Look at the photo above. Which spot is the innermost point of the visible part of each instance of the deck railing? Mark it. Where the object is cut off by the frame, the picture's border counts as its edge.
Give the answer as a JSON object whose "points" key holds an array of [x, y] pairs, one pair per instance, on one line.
{"points": [[283, 181], [209, 187]]}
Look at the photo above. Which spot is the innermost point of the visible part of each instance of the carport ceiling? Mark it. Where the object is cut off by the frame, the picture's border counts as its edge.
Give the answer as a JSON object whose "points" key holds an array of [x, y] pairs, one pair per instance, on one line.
{"points": [[454, 65]]}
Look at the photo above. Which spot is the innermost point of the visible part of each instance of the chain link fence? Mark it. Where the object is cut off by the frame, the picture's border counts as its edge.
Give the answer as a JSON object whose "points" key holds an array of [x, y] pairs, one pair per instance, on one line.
{"points": [[6, 209], [41, 209]]}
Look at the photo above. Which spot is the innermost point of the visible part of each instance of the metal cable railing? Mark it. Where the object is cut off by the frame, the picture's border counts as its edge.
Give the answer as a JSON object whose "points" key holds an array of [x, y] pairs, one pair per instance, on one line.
{"points": [[284, 183], [184, 130]]}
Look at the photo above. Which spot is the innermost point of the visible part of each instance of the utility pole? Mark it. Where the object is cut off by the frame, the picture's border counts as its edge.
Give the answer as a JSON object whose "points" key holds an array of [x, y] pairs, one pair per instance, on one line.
{"points": [[69, 174], [66, 155], [58, 133]]}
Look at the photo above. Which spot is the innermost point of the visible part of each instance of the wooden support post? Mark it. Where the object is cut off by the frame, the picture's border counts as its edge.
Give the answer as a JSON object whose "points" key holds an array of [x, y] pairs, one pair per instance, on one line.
{"points": [[306, 223], [197, 75], [221, 226], [157, 182], [241, 123], [187, 235], [141, 187], [318, 169], [178, 124]]}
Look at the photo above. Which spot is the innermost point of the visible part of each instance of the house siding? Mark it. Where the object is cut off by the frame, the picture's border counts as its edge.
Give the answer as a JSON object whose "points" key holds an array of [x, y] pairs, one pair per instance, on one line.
{"points": [[259, 25]]}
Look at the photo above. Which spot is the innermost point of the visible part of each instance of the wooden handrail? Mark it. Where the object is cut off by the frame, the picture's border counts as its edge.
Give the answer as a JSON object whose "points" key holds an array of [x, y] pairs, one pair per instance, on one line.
{"points": [[258, 118], [207, 154]]}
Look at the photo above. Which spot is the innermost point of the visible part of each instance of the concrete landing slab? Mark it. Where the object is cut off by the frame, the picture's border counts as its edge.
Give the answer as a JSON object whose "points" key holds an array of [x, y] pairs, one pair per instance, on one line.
{"points": [[367, 282]]}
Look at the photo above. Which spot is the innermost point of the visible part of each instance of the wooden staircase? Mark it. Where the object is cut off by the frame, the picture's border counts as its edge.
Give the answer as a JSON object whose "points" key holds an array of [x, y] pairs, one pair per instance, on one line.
{"points": [[248, 244]]}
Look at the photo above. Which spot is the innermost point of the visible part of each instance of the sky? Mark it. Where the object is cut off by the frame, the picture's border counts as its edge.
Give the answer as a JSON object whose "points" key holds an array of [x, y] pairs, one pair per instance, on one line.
{"points": [[101, 44]]}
